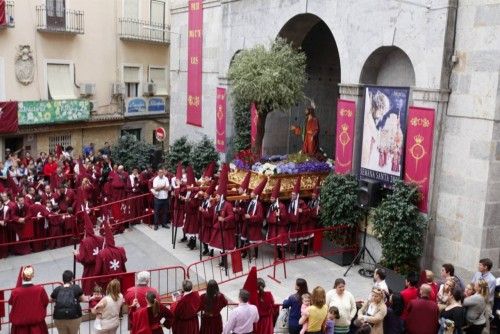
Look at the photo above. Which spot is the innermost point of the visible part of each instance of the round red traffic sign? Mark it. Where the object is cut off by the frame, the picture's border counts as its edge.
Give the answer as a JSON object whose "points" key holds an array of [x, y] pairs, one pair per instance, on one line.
{"points": [[160, 134]]}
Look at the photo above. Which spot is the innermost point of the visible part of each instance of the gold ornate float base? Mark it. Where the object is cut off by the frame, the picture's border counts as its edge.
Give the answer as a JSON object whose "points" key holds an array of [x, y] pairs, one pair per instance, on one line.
{"points": [[307, 182]]}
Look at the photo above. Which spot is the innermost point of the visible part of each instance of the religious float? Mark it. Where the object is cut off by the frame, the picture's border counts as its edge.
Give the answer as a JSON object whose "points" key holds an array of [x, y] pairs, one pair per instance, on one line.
{"points": [[285, 167]]}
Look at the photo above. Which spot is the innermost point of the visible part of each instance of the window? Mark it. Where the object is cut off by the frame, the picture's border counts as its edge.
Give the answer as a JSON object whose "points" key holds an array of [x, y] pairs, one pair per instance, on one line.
{"points": [[132, 79], [131, 9], [158, 76], [60, 81], [157, 19], [63, 140], [134, 132], [56, 13]]}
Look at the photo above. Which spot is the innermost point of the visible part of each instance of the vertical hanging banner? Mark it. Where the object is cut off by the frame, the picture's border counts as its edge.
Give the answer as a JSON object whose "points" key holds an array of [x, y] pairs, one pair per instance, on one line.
{"points": [[254, 117], [3, 14], [346, 111], [9, 121], [194, 68], [220, 114], [418, 156]]}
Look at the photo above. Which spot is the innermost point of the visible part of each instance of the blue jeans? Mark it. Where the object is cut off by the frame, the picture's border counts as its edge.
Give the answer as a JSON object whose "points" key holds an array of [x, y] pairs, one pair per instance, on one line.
{"points": [[161, 211]]}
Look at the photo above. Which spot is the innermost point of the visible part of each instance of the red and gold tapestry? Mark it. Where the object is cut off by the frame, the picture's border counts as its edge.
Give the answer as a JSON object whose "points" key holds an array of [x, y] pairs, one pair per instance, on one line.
{"points": [[254, 117], [418, 156], [194, 68], [346, 112], [220, 114]]}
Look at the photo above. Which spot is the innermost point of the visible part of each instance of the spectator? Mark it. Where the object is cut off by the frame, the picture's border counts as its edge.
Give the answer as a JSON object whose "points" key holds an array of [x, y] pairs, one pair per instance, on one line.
{"points": [[423, 314], [344, 301], [265, 306], [453, 316], [109, 309], [49, 168], [379, 282], [306, 302], [410, 292], [88, 150], [67, 310], [185, 311], [448, 270], [393, 324], [28, 305], [160, 189], [243, 317], [212, 303], [106, 149], [484, 268], [373, 312], [149, 319], [445, 292], [429, 279], [333, 315], [137, 295], [475, 305], [317, 312], [294, 304]]}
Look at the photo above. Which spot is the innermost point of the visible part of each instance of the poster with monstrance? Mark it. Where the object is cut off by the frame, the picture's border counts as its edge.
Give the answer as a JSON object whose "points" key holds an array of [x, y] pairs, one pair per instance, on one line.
{"points": [[384, 131]]}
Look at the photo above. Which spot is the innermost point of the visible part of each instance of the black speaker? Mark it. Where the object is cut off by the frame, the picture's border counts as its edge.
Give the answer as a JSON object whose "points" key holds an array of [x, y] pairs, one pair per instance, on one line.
{"points": [[369, 193]]}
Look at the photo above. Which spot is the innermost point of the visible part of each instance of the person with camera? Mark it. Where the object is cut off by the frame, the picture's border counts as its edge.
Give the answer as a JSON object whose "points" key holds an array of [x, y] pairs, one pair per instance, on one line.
{"points": [[67, 310]]}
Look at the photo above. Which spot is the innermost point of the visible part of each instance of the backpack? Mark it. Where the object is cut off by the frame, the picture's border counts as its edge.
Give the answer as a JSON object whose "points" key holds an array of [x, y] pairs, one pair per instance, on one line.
{"points": [[67, 306]]}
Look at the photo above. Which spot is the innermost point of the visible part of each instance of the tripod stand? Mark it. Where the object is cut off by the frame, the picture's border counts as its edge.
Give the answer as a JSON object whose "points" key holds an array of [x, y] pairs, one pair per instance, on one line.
{"points": [[362, 253]]}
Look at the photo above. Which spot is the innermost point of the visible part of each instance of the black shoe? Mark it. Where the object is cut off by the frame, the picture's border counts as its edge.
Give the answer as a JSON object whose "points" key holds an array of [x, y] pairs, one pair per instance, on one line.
{"points": [[244, 254], [211, 253], [184, 239], [156, 227], [205, 252], [192, 243], [165, 226]]}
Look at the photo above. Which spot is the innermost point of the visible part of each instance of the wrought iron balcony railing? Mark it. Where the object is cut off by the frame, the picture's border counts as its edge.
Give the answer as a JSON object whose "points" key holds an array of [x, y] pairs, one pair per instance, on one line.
{"points": [[9, 15], [145, 31], [60, 20]]}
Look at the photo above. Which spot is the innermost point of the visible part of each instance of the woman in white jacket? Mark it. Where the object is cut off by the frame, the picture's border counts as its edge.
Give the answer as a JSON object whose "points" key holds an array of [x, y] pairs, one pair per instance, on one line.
{"points": [[344, 301]]}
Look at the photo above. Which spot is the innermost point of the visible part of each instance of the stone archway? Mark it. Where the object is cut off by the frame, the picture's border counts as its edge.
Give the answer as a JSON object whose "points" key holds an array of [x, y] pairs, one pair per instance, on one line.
{"points": [[388, 66], [312, 35]]}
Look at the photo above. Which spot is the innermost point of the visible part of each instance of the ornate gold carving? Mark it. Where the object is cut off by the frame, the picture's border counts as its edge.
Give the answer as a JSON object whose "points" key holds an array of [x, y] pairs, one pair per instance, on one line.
{"points": [[417, 151]]}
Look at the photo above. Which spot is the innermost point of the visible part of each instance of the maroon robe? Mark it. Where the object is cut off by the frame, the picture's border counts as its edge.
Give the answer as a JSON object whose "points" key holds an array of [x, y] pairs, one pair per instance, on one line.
{"points": [[65, 200], [255, 222], [29, 309], [265, 306], [34, 211], [186, 314], [207, 221], [296, 219], [23, 230], [69, 228], [47, 197], [110, 260], [4, 232], [241, 227], [118, 182], [191, 207], [56, 229], [423, 317], [311, 218], [56, 180], [135, 207], [146, 323], [137, 292], [88, 250], [223, 232], [179, 206], [211, 319], [277, 223]]}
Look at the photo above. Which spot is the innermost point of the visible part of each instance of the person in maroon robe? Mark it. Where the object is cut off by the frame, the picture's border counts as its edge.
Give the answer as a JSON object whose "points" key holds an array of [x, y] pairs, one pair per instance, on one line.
{"points": [[57, 178], [295, 216], [69, 227], [212, 303], [180, 190], [10, 205], [38, 213], [118, 181], [266, 308], [111, 259], [148, 320], [135, 297], [22, 227], [254, 217], [64, 197], [191, 208], [223, 228], [87, 252], [186, 310], [28, 305], [207, 218], [4, 235], [311, 214], [56, 227], [135, 205], [277, 221], [48, 195], [29, 198], [240, 208]]}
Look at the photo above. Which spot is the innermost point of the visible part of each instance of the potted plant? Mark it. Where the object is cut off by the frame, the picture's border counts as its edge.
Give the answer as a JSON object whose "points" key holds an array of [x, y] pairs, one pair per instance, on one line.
{"points": [[400, 229], [338, 206]]}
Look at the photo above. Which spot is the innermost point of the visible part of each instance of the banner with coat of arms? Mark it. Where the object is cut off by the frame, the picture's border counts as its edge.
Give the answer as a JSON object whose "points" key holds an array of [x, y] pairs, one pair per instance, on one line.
{"points": [[346, 113], [220, 114], [418, 156]]}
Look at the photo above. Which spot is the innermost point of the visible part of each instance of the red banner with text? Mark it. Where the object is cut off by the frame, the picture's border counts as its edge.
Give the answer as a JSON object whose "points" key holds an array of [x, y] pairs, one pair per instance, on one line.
{"points": [[220, 114], [419, 137], [194, 68], [3, 15], [254, 117], [346, 112], [8, 117]]}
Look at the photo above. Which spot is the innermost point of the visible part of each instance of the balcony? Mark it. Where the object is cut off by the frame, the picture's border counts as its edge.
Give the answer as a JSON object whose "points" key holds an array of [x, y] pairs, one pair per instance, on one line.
{"points": [[144, 31], [9, 15], [60, 20]]}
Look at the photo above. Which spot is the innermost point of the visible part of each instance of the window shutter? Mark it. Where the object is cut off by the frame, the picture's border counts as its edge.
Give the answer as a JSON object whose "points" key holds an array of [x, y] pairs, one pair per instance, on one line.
{"points": [[157, 75], [60, 82], [130, 74]]}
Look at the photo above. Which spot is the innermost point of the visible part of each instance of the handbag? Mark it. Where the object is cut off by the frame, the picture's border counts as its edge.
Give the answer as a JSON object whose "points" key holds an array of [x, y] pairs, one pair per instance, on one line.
{"points": [[281, 325]]}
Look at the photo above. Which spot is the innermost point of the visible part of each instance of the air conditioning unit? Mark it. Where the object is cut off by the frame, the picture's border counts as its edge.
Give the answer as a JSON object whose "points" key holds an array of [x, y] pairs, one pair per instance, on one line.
{"points": [[87, 89], [93, 105], [117, 88], [149, 89]]}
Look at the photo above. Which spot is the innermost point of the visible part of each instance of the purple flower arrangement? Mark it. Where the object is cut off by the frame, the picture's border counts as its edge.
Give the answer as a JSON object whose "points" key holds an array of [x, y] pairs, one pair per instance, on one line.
{"points": [[274, 165]]}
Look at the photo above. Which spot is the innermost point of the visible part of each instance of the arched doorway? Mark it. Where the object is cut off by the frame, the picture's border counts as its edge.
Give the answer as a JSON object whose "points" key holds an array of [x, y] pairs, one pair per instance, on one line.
{"points": [[388, 66], [312, 35]]}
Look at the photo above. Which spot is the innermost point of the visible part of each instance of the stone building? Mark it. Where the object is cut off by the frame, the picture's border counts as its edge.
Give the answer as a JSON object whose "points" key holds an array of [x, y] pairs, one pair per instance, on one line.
{"points": [[107, 61], [447, 51]]}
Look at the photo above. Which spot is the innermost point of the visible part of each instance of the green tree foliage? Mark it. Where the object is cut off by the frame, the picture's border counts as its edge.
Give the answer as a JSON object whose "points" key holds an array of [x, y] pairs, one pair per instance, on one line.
{"points": [[273, 78], [179, 151], [130, 152], [338, 201], [241, 138], [400, 228], [202, 154]]}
